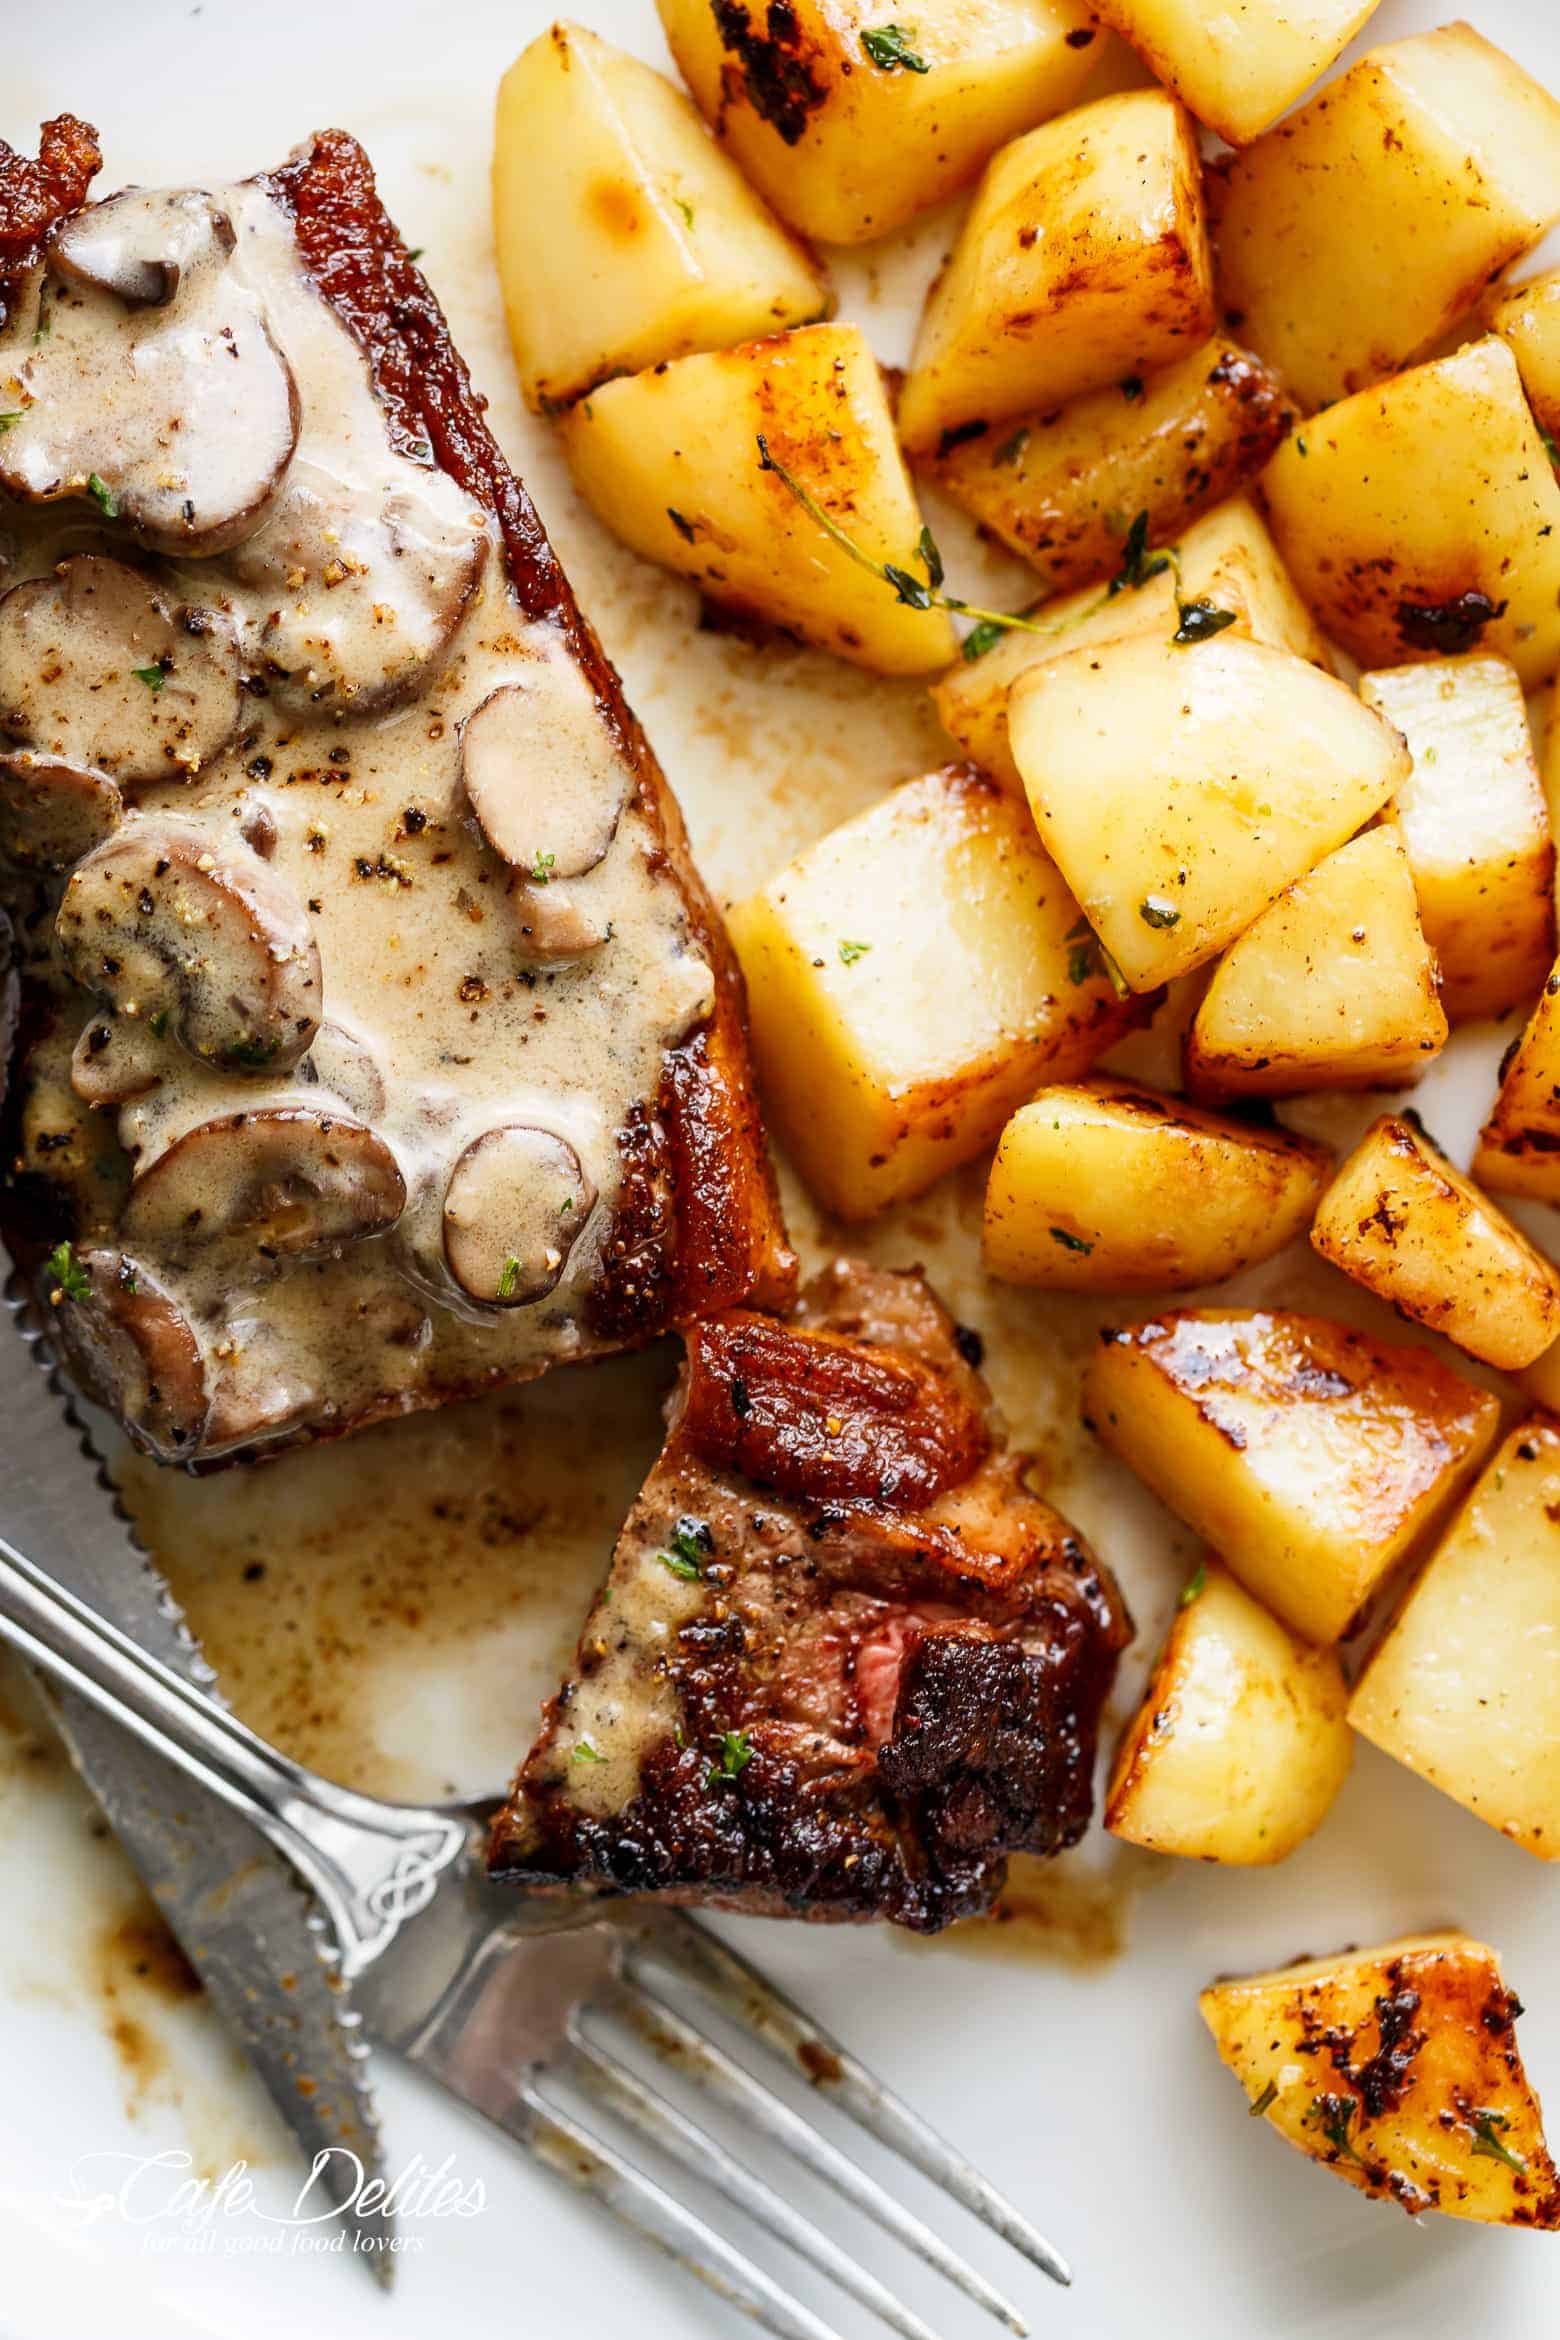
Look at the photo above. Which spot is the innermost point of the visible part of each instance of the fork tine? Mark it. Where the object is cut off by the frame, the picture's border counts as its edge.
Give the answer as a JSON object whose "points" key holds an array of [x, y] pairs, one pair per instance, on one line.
{"points": [[590, 2163], [709, 2067], [704, 2157], [765, 2011]]}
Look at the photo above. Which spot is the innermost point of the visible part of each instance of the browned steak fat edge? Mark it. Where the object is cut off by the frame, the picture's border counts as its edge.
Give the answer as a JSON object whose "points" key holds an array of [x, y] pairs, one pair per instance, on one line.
{"points": [[844, 1662]]}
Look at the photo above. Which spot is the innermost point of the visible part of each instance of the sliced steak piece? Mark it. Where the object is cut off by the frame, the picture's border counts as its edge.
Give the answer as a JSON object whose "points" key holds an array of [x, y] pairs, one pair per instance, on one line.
{"points": [[844, 1662]]}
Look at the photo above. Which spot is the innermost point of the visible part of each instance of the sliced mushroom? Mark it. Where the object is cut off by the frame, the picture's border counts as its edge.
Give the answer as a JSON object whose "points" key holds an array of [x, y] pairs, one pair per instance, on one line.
{"points": [[344, 1064], [115, 1060], [514, 1209], [283, 1184], [133, 1349], [543, 775], [138, 244], [53, 813], [211, 946], [358, 603], [178, 420], [99, 668]]}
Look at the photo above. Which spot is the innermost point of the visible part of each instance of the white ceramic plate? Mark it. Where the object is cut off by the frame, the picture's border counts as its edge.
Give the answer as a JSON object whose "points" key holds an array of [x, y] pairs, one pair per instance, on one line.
{"points": [[1065, 2052]]}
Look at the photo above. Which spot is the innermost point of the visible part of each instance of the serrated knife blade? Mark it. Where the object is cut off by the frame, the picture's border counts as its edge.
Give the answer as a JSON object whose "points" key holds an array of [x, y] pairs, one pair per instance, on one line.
{"points": [[237, 1912]]}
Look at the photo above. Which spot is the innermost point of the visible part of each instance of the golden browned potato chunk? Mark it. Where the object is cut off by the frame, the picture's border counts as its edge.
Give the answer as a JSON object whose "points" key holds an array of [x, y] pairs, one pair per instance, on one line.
{"points": [[1397, 2069], [1465, 1687], [1240, 66], [624, 235], [1333, 987], [1309, 1456], [851, 121], [1240, 1744], [1528, 320], [1182, 783], [1356, 234], [913, 977], [1056, 487], [1519, 1145], [1423, 518], [1403, 1222], [671, 463], [1227, 559], [1474, 820], [1084, 259], [1109, 1187]]}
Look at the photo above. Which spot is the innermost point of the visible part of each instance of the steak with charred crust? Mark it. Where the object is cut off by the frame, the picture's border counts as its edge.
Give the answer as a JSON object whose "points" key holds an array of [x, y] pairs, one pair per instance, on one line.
{"points": [[844, 1662]]}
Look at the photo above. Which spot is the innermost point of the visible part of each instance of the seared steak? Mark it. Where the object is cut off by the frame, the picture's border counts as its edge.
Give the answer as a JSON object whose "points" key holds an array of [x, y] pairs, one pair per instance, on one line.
{"points": [[844, 1662]]}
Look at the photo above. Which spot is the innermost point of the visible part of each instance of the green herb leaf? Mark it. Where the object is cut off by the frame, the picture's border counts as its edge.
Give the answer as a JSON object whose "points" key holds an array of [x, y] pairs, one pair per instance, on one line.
{"points": [[1489, 2144], [850, 952], [1332, 2115], [1194, 1585], [103, 496], [584, 1752], [1012, 449], [1154, 910], [71, 1280], [931, 558], [1300, 446], [1200, 621], [735, 1755], [542, 868], [157, 1024], [888, 47], [8, 422], [1068, 1242], [508, 1278], [686, 209], [1081, 963], [152, 676], [909, 589], [1118, 982], [1548, 437], [1259, 2104], [251, 1053], [982, 638], [1136, 567], [416, 251], [691, 1541]]}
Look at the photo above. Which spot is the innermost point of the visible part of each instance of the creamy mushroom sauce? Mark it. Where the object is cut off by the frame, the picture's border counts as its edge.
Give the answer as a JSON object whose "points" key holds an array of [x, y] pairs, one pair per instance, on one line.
{"points": [[447, 1007]]}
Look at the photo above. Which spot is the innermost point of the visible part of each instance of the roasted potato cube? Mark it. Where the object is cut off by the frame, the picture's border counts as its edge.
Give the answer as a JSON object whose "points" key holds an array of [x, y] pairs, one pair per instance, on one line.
{"points": [[1397, 2069], [1240, 67], [1355, 235], [1473, 817], [1333, 987], [1403, 1222], [1465, 1687], [1519, 1145], [670, 461], [1308, 1455], [1528, 321], [1056, 486], [1181, 787], [625, 236], [1108, 1187], [849, 122], [911, 978], [1423, 518], [1240, 1744], [1227, 558], [1083, 260]]}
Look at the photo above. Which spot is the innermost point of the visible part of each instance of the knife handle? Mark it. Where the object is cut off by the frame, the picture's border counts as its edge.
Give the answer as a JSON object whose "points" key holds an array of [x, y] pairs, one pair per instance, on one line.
{"points": [[372, 1865]]}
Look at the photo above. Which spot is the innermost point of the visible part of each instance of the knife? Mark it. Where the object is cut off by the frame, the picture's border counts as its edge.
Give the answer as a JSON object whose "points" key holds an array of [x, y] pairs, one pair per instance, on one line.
{"points": [[249, 1931]]}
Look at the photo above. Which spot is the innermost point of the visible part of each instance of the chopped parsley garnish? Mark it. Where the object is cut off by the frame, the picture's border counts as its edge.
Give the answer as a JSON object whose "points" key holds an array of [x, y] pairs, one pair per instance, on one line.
{"points": [[889, 48], [1194, 1585], [71, 1280], [8, 422], [1137, 568], [157, 1024], [1332, 2115], [542, 868], [1068, 1242], [735, 1755], [685, 208], [584, 1752], [1200, 621], [252, 1053], [415, 251], [103, 496], [1259, 2104], [508, 1278], [153, 677], [1080, 962], [1488, 2143], [982, 638], [1154, 910], [691, 1541], [850, 952]]}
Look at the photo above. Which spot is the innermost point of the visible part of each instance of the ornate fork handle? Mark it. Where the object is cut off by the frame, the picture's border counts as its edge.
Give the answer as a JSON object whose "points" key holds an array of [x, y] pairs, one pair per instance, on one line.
{"points": [[371, 1865]]}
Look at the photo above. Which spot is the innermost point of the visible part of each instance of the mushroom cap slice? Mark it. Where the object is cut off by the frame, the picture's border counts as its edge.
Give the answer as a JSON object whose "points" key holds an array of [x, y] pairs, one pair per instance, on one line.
{"points": [[139, 244], [212, 946], [554, 923], [361, 597], [178, 420], [98, 667], [133, 1349], [339, 1061], [544, 775], [514, 1209], [265, 1188], [51, 813]]}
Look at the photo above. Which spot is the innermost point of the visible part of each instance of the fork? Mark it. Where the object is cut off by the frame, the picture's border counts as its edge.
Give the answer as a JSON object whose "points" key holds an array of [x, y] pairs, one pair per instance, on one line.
{"points": [[495, 1997]]}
